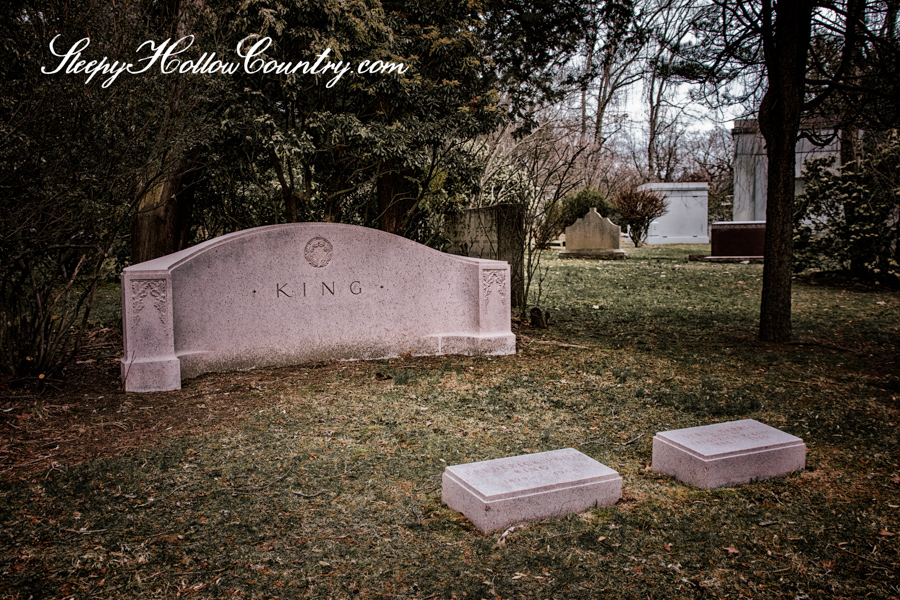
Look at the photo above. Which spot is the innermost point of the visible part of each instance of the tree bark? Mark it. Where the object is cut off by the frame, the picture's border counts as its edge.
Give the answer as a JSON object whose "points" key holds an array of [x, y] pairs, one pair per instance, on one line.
{"points": [[394, 202], [786, 39], [849, 134], [162, 222]]}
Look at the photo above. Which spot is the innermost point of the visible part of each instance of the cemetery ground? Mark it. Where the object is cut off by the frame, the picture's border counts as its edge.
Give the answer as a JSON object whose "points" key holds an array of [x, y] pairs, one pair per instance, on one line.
{"points": [[324, 480]]}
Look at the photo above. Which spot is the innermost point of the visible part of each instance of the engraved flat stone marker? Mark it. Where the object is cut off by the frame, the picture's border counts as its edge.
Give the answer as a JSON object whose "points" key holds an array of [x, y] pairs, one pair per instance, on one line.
{"points": [[494, 494], [727, 454]]}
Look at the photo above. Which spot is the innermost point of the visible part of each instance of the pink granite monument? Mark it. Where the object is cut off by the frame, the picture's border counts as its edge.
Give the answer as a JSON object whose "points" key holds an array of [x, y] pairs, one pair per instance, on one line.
{"points": [[727, 454], [306, 292], [494, 494]]}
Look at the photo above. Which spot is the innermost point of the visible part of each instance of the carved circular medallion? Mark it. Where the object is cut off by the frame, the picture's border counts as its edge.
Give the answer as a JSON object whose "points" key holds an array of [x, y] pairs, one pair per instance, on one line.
{"points": [[318, 252]]}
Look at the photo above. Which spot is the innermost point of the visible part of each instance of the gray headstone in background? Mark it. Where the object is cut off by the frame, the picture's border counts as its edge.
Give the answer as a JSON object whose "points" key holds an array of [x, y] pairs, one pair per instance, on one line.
{"points": [[593, 236]]}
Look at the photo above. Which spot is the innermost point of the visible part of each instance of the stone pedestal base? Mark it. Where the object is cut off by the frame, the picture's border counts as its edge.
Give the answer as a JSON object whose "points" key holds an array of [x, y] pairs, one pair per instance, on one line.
{"points": [[595, 254], [742, 260], [476, 345], [151, 375]]}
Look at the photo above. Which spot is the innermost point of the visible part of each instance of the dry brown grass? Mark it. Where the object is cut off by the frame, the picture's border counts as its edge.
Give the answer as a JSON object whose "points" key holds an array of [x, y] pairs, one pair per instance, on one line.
{"points": [[324, 481]]}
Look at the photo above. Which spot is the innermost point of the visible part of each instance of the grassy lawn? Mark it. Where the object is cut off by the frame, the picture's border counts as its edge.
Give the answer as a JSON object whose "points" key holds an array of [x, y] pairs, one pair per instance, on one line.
{"points": [[323, 481]]}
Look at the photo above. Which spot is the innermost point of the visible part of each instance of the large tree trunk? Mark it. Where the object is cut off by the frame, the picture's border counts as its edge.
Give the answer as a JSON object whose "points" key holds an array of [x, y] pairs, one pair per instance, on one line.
{"points": [[775, 308], [849, 135], [395, 202], [162, 222], [786, 40]]}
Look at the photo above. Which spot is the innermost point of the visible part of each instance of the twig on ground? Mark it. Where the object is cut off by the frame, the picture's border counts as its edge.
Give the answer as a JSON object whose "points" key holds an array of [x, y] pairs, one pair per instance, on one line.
{"points": [[307, 495], [560, 344], [860, 556], [83, 532], [253, 489]]}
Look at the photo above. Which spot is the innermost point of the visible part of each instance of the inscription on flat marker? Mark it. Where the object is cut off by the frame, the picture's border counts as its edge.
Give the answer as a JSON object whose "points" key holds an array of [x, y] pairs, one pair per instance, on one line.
{"points": [[727, 454], [494, 494]]}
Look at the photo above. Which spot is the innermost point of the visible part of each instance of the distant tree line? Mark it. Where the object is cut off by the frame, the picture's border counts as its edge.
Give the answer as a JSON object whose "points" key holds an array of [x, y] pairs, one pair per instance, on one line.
{"points": [[499, 101]]}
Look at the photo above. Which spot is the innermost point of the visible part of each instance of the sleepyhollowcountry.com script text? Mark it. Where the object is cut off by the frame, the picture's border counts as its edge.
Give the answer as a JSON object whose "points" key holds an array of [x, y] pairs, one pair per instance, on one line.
{"points": [[166, 56]]}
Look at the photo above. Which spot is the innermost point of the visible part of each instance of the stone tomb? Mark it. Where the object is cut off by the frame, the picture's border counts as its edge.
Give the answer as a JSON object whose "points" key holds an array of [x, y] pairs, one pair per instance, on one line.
{"points": [[306, 292], [727, 454], [751, 165], [494, 494], [686, 220], [593, 236]]}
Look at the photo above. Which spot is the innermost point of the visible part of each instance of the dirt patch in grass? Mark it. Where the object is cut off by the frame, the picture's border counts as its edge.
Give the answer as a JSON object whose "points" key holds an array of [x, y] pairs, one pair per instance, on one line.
{"points": [[48, 426], [324, 481]]}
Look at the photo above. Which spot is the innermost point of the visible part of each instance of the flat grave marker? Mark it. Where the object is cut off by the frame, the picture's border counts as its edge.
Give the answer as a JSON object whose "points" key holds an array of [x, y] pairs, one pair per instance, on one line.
{"points": [[494, 494], [727, 454]]}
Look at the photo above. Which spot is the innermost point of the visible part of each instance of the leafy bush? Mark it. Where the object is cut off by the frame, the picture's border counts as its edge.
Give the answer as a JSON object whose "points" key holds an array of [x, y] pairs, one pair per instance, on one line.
{"points": [[638, 209], [850, 220], [575, 206], [71, 166]]}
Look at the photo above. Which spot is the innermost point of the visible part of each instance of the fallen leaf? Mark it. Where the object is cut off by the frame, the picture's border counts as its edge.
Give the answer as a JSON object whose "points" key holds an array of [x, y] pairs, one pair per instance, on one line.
{"points": [[885, 533], [731, 550], [167, 539], [601, 538], [502, 541], [668, 547]]}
